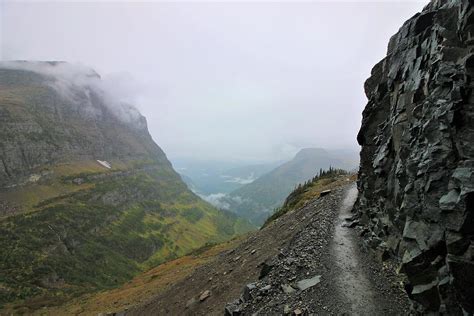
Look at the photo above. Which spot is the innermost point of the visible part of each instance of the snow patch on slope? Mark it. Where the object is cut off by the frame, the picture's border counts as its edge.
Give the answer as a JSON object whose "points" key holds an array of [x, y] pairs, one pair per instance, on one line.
{"points": [[105, 164]]}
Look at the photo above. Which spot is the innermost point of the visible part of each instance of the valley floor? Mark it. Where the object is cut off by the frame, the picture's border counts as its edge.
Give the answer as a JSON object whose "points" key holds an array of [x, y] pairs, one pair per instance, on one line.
{"points": [[304, 262]]}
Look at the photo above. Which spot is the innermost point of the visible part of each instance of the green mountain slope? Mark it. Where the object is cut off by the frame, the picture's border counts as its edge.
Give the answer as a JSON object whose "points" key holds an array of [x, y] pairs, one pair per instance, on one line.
{"points": [[257, 200], [87, 199]]}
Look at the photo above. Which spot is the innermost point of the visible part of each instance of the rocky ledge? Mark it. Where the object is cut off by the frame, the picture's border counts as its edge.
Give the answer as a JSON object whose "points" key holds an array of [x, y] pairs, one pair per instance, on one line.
{"points": [[416, 179]]}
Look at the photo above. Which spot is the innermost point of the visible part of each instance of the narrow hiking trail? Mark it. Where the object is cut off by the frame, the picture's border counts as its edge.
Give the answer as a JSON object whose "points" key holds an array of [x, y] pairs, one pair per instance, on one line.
{"points": [[351, 279], [359, 287], [327, 255], [307, 262]]}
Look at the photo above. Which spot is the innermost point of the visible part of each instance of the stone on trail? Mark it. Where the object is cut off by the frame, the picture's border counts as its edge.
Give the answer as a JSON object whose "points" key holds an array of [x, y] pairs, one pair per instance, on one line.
{"points": [[265, 289], [246, 293], [297, 312], [204, 295], [288, 289], [325, 192], [351, 217], [307, 283], [233, 309], [350, 224]]}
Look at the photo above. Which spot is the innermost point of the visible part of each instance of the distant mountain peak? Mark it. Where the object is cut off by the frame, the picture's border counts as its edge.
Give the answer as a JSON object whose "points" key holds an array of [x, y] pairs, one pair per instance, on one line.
{"points": [[270, 189], [310, 152]]}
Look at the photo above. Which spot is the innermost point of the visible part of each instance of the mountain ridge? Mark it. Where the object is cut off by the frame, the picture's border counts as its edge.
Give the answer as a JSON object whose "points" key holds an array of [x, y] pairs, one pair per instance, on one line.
{"points": [[257, 200]]}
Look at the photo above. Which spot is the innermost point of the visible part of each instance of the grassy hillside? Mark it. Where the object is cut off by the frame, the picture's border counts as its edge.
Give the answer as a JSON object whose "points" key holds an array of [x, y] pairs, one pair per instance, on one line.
{"points": [[102, 232], [71, 225], [141, 288]]}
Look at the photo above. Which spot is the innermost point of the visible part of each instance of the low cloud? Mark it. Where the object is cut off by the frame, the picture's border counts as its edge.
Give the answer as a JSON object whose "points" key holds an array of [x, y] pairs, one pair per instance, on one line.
{"points": [[77, 83], [217, 200], [222, 200], [251, 178], [238, 199]]}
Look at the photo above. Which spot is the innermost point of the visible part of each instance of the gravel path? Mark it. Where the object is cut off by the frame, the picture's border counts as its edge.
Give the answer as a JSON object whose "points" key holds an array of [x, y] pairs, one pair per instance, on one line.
{"points": [[350, 277], [325, 270]]}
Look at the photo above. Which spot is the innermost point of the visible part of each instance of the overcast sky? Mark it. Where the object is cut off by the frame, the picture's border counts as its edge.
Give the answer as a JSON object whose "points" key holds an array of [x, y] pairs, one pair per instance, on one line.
{"points": [[242, 80]]}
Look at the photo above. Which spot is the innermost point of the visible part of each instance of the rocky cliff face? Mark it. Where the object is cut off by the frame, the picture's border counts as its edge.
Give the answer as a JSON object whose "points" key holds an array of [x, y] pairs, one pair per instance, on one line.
{"points": [[416, 179]]}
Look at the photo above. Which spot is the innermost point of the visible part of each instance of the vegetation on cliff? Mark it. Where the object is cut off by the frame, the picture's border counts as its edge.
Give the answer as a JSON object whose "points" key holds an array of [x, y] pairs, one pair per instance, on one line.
{"points": [[310, 189]]}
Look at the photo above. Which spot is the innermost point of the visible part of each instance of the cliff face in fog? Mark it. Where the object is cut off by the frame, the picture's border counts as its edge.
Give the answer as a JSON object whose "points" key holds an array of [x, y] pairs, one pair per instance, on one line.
{"points": [[416, 179], [54, 112]]}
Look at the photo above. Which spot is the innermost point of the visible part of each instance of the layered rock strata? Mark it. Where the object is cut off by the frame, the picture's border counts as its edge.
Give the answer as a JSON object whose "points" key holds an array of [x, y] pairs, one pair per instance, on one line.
{"points": [[416, 179]]}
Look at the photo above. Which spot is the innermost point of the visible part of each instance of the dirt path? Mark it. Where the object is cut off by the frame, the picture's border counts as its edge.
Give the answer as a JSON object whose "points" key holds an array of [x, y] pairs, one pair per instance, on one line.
{"points": [[356, 289], [344, 277]]}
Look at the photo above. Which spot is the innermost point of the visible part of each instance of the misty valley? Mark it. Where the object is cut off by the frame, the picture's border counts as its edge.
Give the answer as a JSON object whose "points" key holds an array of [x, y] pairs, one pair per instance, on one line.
{"points": [[237, 158], [250, 190]]}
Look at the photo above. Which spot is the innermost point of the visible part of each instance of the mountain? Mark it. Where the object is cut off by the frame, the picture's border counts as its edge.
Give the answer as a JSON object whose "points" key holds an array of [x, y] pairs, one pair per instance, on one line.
{"points": [[87, 199], [416, 179], [257, 200], [189, 182], [213, 177]]}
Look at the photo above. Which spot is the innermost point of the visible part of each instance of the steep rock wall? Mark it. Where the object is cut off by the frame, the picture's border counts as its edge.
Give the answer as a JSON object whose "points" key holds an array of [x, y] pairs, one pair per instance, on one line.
{"points": [[416, 179]]}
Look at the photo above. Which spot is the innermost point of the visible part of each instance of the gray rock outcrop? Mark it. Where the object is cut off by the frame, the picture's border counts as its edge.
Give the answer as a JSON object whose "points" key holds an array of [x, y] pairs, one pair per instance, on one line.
{"points": [[416, 179]]}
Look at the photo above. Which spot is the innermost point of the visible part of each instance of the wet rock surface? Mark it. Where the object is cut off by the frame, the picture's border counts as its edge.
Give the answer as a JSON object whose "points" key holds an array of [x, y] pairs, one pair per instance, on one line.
{"points": [[416, 179]]}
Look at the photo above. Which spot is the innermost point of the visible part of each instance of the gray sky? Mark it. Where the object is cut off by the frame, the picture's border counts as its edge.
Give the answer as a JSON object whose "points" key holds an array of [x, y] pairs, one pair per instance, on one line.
{"points": [[241, 80]]}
